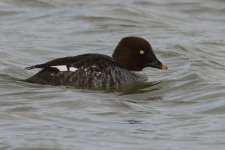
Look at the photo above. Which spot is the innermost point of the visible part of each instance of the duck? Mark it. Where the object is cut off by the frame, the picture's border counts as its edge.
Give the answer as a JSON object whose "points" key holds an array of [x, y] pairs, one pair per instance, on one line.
{"points": [[99, 71]]}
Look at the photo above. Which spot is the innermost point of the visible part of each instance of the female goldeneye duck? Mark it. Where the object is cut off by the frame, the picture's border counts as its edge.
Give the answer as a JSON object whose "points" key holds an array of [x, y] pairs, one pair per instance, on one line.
{"points": [[100, 71]]}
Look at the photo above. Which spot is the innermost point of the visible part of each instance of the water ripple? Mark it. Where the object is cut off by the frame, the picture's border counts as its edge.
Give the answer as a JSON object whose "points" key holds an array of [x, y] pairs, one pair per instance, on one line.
{"points": [[181, 108]]}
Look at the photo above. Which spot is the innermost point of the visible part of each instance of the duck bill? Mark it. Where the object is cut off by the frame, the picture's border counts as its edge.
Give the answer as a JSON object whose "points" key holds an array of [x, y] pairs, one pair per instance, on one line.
{"points": [[158, 64]]}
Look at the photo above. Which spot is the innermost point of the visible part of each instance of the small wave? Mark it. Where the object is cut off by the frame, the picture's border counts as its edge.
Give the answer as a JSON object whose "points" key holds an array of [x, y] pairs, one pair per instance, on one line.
{"points": [[30, 3]]}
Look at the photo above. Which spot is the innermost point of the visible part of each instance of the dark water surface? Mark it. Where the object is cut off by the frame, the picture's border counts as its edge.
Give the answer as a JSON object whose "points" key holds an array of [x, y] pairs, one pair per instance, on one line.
{"points": [[185, 110]]}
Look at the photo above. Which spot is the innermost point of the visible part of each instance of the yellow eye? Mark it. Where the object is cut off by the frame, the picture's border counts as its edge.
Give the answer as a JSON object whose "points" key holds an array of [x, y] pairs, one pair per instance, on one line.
{"points": [[141, 52]]}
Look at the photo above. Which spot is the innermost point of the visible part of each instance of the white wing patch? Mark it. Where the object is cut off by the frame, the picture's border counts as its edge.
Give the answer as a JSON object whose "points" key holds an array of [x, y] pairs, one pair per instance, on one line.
{"points": [[64, 68], [73, 69], [61, 68]]}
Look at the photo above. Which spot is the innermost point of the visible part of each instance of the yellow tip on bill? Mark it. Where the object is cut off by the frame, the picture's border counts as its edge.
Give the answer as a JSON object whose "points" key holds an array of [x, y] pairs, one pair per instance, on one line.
{"points": [[164, 67]]}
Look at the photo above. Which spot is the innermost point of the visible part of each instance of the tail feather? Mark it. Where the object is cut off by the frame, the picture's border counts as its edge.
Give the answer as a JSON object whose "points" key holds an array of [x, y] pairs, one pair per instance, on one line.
{"points": [[35, 66], [31, 67]]}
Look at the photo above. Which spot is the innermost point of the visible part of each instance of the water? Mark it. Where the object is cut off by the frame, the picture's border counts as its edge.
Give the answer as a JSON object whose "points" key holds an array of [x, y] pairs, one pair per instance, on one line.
{"points": [[184, 109]]}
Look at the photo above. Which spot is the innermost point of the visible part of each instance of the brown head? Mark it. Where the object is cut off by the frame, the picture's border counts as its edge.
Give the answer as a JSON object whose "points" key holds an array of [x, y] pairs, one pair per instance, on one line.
{"points": [[135, 53]]}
